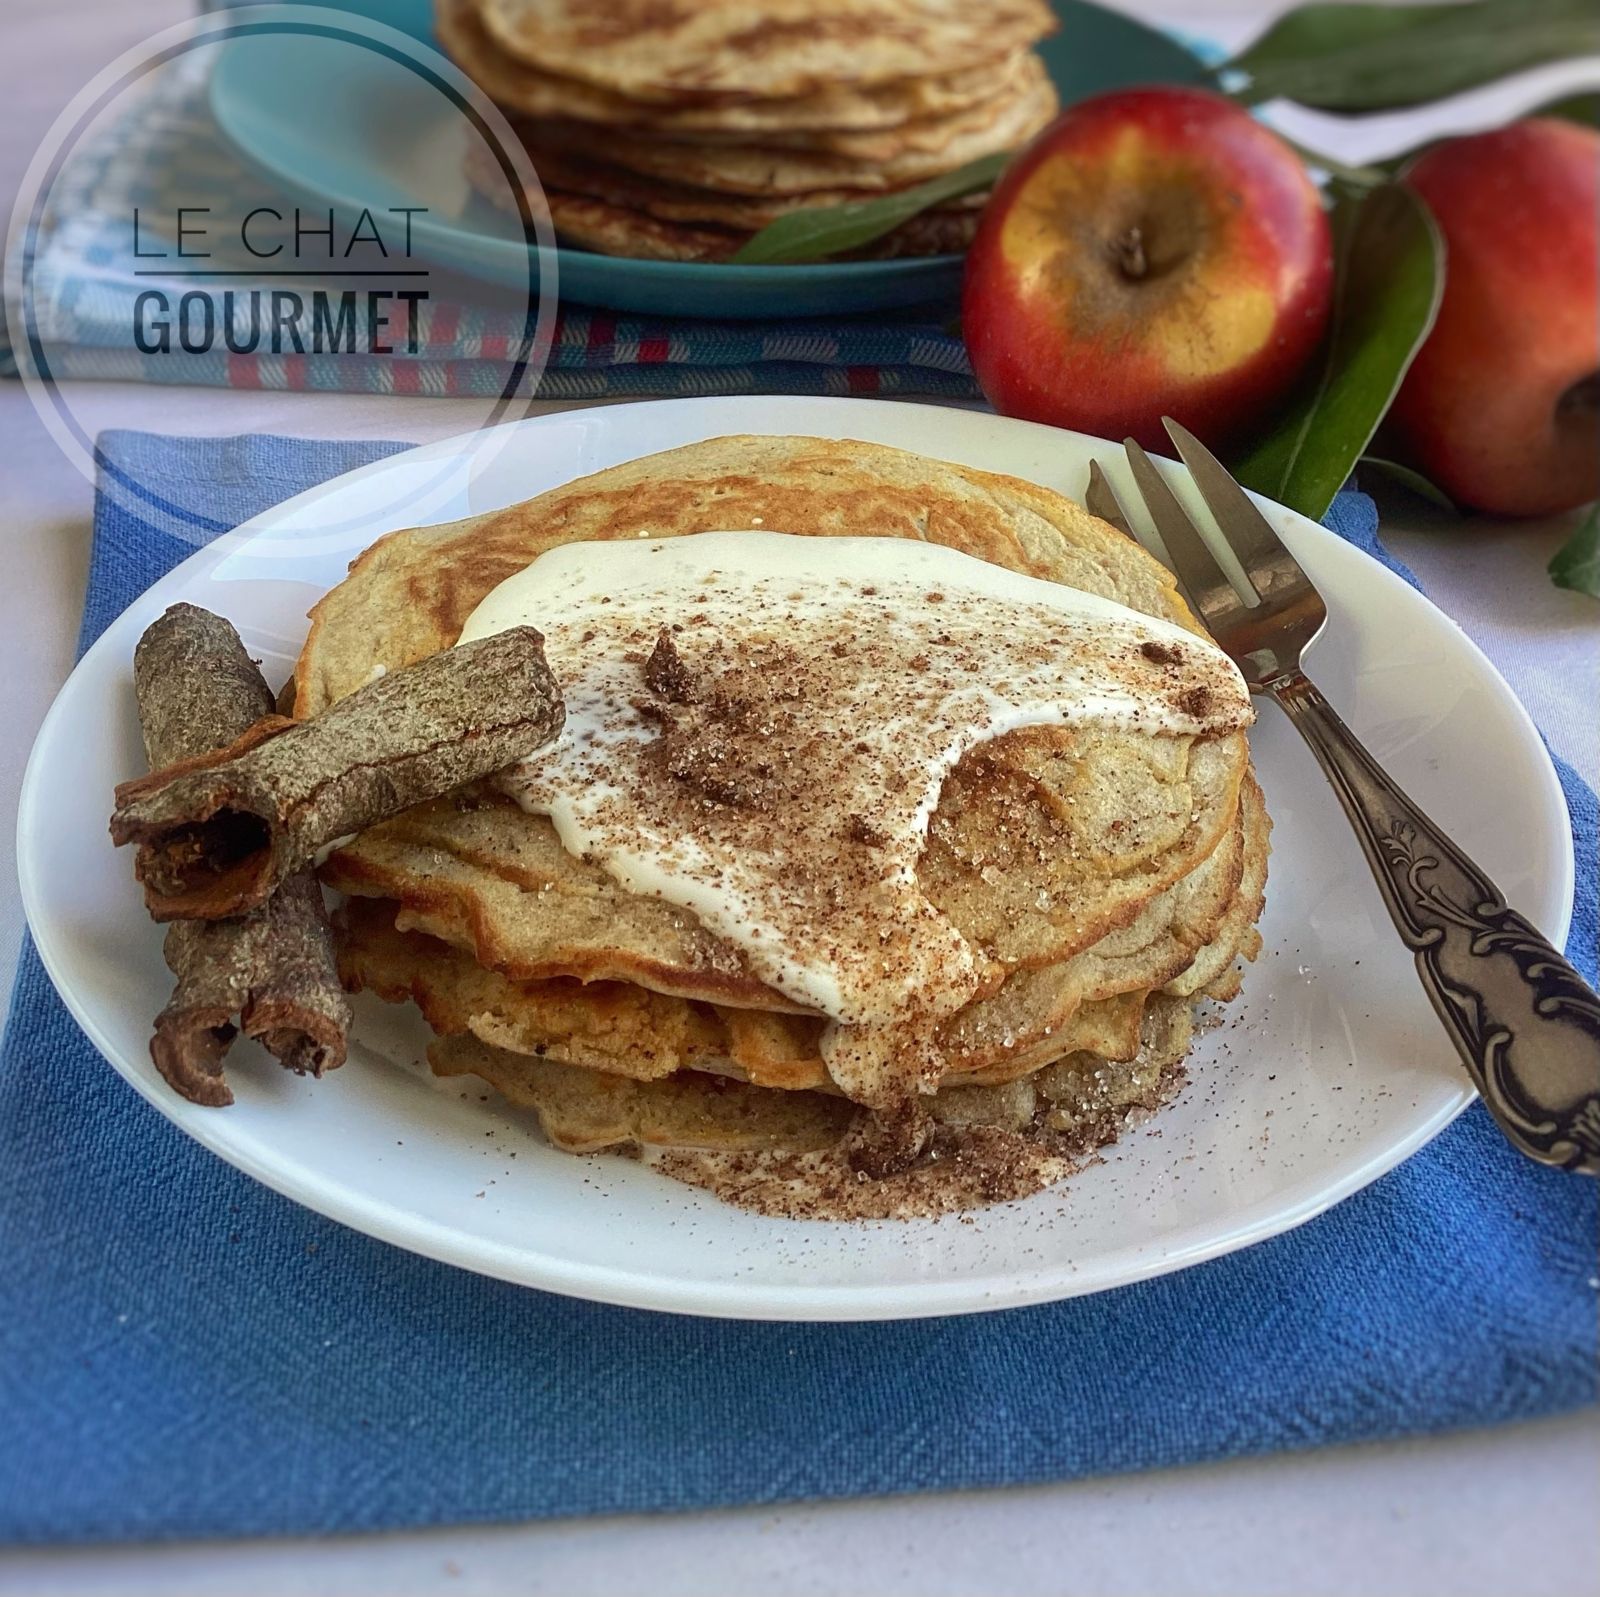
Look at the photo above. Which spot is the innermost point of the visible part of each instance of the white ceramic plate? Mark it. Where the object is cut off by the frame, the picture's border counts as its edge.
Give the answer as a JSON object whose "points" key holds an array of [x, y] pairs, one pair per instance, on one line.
{"points": [[1329, 1071]]}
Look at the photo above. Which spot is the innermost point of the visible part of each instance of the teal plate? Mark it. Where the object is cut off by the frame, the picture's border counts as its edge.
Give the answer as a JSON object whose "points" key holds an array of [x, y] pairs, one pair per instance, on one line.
{"points": [[354, 127]]}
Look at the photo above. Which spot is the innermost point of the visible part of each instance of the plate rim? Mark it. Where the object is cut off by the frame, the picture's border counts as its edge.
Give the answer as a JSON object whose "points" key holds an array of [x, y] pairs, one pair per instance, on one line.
{"points": [[630, 1287]]}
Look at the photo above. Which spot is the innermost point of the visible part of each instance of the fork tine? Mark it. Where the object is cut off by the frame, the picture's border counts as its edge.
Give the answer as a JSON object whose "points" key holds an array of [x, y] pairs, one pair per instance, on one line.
{"points": [[1248, 533], [1100, 499], [1204, 582]]}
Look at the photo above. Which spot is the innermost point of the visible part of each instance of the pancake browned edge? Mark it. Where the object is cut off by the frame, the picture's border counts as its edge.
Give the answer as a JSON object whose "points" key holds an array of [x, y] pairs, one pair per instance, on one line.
{"points": [[669, 227], [1112, 881], [679, 131]]}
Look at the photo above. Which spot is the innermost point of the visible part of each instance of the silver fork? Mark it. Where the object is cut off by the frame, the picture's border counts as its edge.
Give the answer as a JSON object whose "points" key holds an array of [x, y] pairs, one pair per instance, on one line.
{"points": [[1526, 1025]]}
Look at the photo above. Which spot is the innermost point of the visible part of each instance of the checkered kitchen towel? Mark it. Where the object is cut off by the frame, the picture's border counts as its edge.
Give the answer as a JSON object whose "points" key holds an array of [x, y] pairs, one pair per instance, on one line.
{"points": [[167, 151]]}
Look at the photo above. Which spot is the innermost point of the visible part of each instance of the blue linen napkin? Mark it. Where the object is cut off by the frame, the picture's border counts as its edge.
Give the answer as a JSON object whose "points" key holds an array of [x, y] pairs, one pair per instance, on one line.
{"points": [[185, 1353]]}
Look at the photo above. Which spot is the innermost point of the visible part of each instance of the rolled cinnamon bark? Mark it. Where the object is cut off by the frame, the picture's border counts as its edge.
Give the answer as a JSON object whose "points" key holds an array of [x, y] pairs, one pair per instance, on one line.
{"points": [[273, 969], [197, 687], [216, 834]]}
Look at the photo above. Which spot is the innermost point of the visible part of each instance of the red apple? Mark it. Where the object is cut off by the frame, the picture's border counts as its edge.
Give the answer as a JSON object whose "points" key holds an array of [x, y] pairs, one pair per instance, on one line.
{"points": [[1154, 252], [1501, 407]]}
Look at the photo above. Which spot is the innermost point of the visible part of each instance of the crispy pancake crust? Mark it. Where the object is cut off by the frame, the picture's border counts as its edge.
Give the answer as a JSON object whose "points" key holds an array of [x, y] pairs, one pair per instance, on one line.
{"points": [[1184, 941], [699, 51], [410, 593], [517, 86], [789, 1154], [1005, 122], [1031, 873], [663, 231]]}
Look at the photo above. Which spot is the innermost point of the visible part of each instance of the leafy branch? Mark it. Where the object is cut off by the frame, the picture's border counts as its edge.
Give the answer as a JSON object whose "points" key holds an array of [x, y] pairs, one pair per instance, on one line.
{"points": [[1389, 279], [821, 231], [1576, 564], [1356, 58]]}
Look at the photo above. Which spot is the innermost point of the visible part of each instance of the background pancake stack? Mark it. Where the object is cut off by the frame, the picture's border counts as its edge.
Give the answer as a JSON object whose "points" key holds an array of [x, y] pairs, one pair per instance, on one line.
{"points": [[1109, 882], [675, 129]]}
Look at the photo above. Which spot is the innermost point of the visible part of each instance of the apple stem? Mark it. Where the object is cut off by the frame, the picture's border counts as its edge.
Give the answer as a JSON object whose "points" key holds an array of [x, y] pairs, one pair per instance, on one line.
{"points": [[1128, 253]]}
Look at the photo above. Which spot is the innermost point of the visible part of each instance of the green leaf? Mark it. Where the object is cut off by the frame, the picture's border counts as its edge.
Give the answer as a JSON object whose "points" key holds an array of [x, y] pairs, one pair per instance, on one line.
{"points": [[1410, 478], [1386, 295], [824, 230], [1576, 563], [1341, 175], [1341, 57], [1582, 107]]}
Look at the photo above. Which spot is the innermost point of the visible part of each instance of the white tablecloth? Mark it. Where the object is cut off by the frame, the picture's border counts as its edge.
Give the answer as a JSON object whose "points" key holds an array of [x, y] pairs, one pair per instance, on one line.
{"points": [[1505, 1512]]}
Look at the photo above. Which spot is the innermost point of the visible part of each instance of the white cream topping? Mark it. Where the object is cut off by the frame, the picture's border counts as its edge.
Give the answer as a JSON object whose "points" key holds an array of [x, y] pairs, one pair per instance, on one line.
{"points": [[773, 765]]}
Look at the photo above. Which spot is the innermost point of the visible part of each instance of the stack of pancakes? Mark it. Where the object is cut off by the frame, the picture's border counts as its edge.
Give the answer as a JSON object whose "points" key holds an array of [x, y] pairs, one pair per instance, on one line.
{"points": [[676, 129], [1114, 878]]}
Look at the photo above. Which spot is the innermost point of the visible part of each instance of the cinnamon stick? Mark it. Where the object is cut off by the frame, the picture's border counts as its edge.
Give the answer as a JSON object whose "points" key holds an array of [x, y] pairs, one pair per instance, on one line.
{"points": [[271, 970], [216, 833]]}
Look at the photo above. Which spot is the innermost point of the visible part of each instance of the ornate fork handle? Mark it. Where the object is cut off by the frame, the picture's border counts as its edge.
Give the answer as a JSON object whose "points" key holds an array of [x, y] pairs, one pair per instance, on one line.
{"points": [[1525, 1023]]}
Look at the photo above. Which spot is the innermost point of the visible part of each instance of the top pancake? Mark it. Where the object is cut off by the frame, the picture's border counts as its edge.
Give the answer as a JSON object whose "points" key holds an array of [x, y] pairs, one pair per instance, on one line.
{"points": [[838, 109], [707, 50], [410, 594]]}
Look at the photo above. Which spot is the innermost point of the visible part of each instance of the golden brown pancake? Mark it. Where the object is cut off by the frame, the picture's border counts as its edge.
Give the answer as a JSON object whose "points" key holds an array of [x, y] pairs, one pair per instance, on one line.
{"points": [[575, 172], [1044, 842], [665, 231], [699, 51], [839, 108], [790, 1154], [410, 594], [1005, 123]]}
